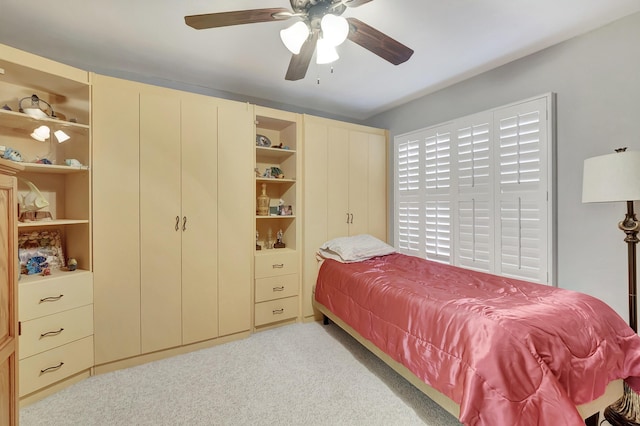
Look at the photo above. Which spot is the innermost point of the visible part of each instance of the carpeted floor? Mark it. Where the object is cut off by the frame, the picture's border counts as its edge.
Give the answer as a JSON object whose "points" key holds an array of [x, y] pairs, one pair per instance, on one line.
{"points": [[301, 374]]}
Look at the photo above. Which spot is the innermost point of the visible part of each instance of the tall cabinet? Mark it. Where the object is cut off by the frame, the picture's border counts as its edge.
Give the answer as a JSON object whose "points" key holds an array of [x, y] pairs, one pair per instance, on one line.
{"points": [[8, 295], [45, 125], [278, 224], [164, 238], [345, 191]]}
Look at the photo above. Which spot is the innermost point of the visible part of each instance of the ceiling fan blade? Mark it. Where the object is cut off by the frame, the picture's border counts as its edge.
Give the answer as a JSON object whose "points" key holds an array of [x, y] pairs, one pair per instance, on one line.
{"points": [[300, 63], [377, 42], [356, 3], [238, 17]]}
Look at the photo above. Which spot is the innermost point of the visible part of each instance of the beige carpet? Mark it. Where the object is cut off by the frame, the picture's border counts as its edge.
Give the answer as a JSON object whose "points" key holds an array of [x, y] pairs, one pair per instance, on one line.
{"points": [[302, 374]]}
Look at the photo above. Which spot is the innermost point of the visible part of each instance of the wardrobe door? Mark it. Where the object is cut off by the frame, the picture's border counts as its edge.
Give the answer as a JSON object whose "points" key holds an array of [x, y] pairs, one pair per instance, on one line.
{"points": [[338, 158], [116, 213], [236, 230], [199, 221], [160, 221], [315, 218]]}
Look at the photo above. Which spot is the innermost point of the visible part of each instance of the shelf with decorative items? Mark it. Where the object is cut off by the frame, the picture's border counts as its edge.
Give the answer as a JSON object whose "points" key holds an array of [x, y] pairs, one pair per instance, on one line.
{"points": [[45, 116], [278, 234]]}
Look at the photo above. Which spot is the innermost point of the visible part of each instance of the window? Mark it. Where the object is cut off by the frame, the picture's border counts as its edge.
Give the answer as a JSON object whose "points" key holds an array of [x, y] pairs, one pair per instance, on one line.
{"points": [[476, 192]]}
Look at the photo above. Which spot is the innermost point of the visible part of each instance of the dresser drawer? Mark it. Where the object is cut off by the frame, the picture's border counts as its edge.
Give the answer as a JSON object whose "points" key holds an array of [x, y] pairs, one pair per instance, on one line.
{"points": [[270, 265], [66, 290], [276, 287], [44, 333], [57, 364], [276, 310]]}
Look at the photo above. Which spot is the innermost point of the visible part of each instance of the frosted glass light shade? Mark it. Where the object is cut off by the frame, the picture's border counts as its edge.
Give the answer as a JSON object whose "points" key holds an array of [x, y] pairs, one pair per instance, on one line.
{"points": [[325, 52], [61, 136], [41, 134], [335, 29], [612, 177], [295, 36]]}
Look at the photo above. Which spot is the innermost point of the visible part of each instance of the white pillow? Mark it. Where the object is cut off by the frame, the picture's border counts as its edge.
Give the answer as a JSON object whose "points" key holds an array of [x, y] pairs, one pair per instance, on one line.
{"points": [[355, 249]]}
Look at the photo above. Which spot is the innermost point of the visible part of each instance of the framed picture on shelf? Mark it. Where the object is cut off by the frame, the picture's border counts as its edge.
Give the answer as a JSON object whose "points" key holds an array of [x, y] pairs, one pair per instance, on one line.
{"points": [[285, 210], [40, 251]]}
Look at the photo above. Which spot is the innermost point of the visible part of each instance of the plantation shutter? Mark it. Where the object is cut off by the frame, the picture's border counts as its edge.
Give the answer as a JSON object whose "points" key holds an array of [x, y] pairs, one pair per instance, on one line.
{"points": [[474, 193], [409, 220], [437, 194], [522, 180]]}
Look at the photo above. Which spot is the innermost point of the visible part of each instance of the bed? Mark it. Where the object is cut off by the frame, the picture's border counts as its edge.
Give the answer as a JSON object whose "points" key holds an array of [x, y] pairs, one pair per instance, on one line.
{"points": [[490, 350]]}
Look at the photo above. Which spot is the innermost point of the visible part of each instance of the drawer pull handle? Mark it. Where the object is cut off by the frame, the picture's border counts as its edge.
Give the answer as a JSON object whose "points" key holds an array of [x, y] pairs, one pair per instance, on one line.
{"points": [[55, 367], [278, 265], [278, 311], [281, 288], [52, 333], [51, 298]]}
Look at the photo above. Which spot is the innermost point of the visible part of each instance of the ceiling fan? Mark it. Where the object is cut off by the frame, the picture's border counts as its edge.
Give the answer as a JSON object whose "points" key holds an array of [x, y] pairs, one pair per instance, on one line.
{"points": [[319, 28]]}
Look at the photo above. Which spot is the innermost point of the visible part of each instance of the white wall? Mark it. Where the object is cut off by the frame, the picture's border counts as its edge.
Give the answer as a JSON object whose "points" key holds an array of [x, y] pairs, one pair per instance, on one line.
{"points": [[597, 81]]}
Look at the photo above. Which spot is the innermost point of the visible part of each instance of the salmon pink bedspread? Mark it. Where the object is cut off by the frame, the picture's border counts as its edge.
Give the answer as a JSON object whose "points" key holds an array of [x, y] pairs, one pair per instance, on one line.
{"points": [[508, 352]]}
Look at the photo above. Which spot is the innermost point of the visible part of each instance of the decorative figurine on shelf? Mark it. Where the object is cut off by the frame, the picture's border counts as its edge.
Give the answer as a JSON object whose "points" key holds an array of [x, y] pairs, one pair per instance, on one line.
{"points": [[72, 264], [12, 154], [258, 245], [277, 173], [32, 204], [36, 265], [269, 239], [263, 202], [279, 243]]}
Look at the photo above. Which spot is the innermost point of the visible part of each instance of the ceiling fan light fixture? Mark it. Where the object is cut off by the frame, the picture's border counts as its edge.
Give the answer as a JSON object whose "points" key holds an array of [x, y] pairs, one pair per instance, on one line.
{"points": [[335, 29], [295, 36], [325, 52]]}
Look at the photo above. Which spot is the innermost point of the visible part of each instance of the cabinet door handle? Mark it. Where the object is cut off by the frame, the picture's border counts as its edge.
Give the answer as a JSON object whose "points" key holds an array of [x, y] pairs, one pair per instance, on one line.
{"points": [[278, 311], [51, 298], [55, 367], [281, 288], [52, 333], [184, 223], [351, 218], [347, 217], [177, 223], [278, 265]]}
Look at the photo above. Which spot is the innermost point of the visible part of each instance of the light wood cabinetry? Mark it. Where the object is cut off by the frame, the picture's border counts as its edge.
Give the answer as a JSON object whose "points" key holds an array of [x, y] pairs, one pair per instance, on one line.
{"points": [[8, 295], [64, 96], [277, 278], [345, 190], [186, 240]]}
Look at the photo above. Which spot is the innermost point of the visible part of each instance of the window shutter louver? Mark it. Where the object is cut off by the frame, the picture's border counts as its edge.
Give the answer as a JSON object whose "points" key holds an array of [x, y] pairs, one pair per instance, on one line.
{"points": [[409, 224]]}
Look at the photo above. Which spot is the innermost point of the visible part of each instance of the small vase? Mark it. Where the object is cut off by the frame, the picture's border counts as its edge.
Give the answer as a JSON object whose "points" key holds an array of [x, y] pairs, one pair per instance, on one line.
{"points": [[263, 202]]}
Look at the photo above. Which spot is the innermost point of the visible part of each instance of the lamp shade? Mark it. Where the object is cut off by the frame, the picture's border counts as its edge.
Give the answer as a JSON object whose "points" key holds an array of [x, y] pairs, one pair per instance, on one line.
{"points": [[41, 134], [612, 177], [325, 52], [61, 136], [335, 29], [295, 36]]}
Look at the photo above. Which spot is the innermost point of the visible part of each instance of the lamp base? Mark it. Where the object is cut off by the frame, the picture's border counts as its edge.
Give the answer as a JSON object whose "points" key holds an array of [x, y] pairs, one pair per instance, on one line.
{"points": [[626, 410]]}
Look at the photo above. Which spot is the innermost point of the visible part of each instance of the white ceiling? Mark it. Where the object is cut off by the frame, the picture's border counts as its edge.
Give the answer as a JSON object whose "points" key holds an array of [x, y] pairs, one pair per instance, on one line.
{"points": [[452, 40]]}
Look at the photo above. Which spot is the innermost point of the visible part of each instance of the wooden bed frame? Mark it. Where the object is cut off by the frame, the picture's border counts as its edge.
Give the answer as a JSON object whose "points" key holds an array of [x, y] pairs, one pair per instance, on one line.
{"points": [[589, 411]]}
